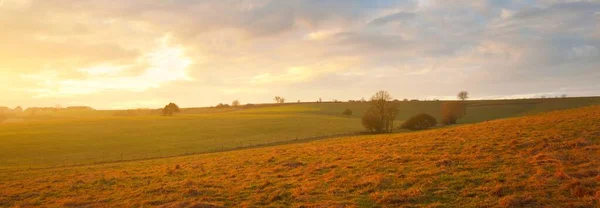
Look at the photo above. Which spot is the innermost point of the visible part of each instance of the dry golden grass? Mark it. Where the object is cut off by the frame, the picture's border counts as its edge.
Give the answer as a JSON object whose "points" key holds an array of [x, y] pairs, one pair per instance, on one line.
{"points": [[549, 160]]}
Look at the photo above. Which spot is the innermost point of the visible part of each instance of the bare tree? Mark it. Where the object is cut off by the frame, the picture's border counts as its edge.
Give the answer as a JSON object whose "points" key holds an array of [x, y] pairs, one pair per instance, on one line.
{"points": [[279, 99], [380, 101], [384, 110], [463, 95], [390, 117], [235, 103]]}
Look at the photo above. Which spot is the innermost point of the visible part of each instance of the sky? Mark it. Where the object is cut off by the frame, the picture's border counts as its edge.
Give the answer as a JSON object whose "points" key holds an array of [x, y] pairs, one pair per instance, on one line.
{"points": [[147, 53]]}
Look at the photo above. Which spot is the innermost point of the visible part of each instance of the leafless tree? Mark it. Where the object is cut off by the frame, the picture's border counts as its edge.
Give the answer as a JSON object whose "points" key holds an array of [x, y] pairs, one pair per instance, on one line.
{"points": [[384, 110], [235, 103], [279, 99], [463, 95]]}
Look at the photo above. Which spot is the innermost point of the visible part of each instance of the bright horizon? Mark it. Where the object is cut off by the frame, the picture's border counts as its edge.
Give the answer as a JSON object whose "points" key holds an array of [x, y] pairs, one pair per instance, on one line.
{"points": [[145, 54], [295, 102]]}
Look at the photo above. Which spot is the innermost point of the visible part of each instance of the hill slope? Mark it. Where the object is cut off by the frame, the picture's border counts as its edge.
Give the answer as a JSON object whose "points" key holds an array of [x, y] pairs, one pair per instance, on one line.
{"points": [[552, 159], [51, 139]]}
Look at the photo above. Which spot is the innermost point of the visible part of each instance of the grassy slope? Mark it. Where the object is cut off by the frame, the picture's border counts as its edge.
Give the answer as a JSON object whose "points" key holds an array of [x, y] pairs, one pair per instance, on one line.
{"points": [[100, 139], [77, 137], [552, 159]]}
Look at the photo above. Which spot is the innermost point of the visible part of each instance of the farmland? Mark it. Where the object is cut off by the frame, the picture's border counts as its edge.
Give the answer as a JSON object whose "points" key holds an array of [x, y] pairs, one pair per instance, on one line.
{"points": [[75, 138], [550, 159]]}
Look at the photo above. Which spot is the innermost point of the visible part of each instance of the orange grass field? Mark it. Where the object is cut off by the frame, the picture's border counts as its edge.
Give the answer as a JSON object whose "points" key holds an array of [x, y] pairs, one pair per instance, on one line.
{"points": [[548, 160]]}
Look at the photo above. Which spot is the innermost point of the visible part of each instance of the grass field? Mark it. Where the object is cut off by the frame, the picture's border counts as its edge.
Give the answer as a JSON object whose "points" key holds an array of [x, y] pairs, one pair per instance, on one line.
{"points": [[546, 160], [71, 138]]}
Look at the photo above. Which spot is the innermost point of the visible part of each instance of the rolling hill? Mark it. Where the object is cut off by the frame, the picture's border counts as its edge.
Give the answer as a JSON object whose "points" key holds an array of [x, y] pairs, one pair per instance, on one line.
{"points": [[551, 159], [68, 138]]}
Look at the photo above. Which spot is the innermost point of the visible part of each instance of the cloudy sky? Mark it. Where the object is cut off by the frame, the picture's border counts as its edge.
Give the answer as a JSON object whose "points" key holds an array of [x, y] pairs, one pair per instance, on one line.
{"points": [[146, 53]]}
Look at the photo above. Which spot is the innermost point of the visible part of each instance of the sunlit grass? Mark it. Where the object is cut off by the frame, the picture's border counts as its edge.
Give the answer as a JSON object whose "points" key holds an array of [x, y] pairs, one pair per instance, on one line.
{"points": [[74, 138], [550, 160]]}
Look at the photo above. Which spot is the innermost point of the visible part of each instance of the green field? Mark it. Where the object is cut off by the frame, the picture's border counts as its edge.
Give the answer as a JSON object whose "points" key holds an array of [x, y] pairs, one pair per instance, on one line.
{"points": [[68, 138]]}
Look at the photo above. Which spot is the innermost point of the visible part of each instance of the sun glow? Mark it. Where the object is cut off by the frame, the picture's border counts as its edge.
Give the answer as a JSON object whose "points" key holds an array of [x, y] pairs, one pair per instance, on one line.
{"points": [[166, 63]]}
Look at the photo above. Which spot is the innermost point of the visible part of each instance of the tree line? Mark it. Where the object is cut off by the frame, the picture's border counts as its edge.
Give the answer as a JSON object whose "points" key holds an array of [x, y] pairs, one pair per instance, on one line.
{"points": [[379, 117]]}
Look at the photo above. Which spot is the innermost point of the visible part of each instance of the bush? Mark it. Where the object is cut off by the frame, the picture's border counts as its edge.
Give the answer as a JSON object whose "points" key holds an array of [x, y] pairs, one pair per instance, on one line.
{"points": [[221, 105], [449, 119], [347, 113], [419, 122], [452, 111], [169, 109], [372, 122]]}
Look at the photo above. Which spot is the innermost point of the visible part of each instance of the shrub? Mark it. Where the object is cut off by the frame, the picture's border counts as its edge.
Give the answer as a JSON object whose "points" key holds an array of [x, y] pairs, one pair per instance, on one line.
{"points": [[372, 122], [347, 112], [419, 122], [221, 105], [452, 111], [169, 109]]}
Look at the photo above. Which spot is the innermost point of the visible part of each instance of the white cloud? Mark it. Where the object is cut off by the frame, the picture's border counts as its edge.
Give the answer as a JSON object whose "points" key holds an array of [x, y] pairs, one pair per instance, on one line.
{"points": [[306, 73], [322, 34], [15, 4], [226, 48], [245, 90], [506, 13], [421, 71], [101, 70], [586, 51]]}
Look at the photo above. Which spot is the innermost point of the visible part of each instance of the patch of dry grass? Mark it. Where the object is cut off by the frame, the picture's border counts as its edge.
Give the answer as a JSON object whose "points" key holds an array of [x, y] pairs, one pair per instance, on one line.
{"points": [[552, 159]]}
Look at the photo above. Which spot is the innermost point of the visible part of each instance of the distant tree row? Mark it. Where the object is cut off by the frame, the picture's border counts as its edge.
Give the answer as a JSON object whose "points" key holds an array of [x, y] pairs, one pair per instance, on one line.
{"points": [[33, 111], [19, 109], [379, 117]]}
